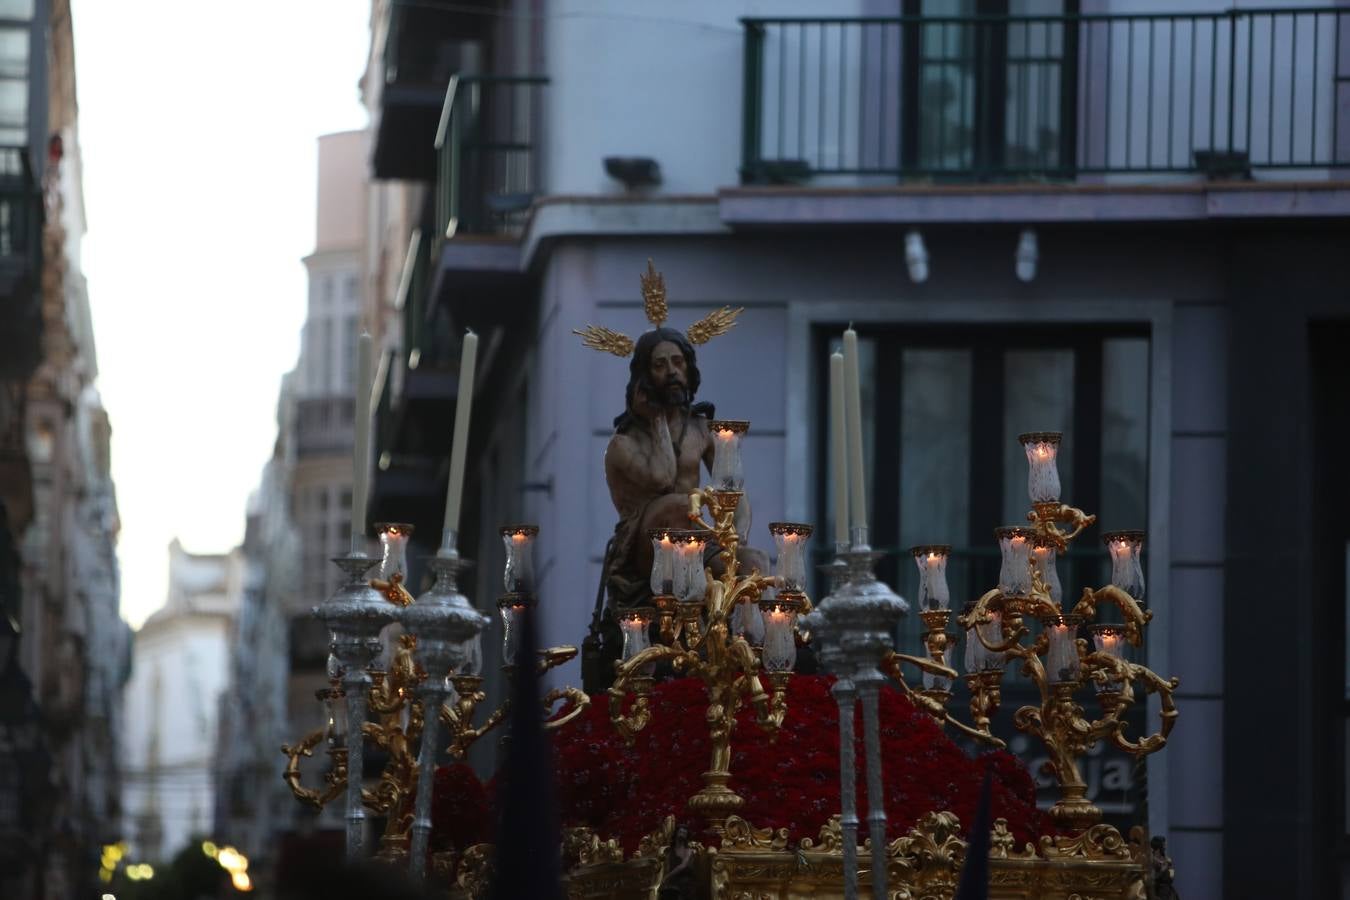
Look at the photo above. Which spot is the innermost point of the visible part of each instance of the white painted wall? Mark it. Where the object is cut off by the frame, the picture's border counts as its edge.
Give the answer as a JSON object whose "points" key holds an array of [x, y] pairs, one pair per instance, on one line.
{"points": [[656, 80]]}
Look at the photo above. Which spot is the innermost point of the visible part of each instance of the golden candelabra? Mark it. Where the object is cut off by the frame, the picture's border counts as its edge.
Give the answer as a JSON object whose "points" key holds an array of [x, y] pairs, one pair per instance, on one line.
{"points": [[1029, 588], [696, 630], [938, 642], [393, 716]]}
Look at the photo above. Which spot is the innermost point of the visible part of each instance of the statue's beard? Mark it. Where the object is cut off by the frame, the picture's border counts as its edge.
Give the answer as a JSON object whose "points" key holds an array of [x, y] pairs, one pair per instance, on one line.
{"points": [[673, 393]]}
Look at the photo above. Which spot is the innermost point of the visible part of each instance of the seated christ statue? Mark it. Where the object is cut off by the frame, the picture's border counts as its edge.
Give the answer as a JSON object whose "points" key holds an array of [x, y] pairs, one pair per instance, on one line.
{"points": [[661, 444]]}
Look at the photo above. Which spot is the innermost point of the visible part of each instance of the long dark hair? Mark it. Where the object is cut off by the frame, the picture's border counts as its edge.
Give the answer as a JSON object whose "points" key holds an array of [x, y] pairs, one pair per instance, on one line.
{"points": [[639, 369]]}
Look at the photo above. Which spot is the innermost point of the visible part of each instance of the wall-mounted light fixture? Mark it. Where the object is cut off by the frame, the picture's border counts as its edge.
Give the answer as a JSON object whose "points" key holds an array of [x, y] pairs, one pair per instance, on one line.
{"points": [[916, 256], [634, 171], [1028, 252]]}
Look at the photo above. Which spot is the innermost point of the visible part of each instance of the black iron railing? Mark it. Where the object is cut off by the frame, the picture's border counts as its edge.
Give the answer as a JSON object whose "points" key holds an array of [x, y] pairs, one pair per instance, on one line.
{"points": [[486, 173], [988, 97]]}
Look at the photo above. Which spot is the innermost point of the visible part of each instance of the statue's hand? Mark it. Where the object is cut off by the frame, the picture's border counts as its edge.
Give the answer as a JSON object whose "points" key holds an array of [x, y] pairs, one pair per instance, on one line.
{"points": [[644, 407]]}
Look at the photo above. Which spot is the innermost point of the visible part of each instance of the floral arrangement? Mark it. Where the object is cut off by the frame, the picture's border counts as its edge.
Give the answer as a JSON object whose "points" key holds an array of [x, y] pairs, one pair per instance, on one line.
{"points": [[790, 780]]}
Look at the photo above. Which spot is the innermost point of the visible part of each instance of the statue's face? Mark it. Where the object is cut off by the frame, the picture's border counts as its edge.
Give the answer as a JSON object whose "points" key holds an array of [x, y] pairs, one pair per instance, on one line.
{"points": [[669, 374]]}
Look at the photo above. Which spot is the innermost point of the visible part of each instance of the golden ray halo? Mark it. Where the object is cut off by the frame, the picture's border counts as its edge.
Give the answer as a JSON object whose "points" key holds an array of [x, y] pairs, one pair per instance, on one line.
{"points": [[654, 305]]}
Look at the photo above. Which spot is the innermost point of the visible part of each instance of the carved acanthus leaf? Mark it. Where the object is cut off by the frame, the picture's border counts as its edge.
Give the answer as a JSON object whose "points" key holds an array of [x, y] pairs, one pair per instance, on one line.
{"points": [[1098, 842], [741, 835]]}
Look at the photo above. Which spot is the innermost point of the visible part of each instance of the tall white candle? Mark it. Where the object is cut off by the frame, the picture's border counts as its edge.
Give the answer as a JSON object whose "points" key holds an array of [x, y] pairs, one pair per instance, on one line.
{"points": [[838, 448], [463, 411], [365, 348], [853, 411]]}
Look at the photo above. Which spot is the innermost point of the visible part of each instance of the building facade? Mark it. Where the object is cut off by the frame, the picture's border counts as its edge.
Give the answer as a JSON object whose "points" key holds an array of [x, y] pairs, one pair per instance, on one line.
{"points": [[180, 670], [252, 804], [1054, 216], [60, 793], [299, 519]]}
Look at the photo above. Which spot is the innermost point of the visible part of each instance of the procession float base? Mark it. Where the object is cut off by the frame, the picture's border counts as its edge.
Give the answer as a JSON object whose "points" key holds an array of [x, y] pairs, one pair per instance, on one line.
{"points": [[926, 864], [620, 804]]}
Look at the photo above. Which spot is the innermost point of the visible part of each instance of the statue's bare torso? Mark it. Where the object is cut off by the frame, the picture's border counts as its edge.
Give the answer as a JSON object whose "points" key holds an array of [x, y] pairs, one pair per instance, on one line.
{"points": [[656, 458]]}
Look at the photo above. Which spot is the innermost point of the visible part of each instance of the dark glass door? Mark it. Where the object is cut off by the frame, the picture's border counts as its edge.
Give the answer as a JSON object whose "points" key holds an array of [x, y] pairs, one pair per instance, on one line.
{"points": [[989, 87], [942, 408]]}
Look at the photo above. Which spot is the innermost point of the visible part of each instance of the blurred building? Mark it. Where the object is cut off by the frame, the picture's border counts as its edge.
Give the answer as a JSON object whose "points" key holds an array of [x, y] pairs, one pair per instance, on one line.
{"points": [[170, 740], [252, 803], [61, 679], [1059, 215], [299, 519]]}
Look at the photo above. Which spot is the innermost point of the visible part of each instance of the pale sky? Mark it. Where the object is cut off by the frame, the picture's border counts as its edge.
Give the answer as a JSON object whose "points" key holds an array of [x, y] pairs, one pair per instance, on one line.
{"points": [[198, 124]]}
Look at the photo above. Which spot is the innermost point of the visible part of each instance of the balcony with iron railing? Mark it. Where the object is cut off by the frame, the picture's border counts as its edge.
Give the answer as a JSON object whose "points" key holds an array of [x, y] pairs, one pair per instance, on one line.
{"points": [[1245, 93], [487, 172], [424, 43]]}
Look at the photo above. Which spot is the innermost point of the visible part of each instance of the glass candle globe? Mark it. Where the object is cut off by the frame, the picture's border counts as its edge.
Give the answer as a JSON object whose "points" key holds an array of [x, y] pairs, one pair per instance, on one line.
{"points": [[333, 709], [692, 579], [978, 657], [791, 539], [932, 563], [512, 609], [473, 656], [1042, 448], [518, 577], [663, 562], [1044, 558], [779, 613], [1110, 640], [1014, 574], [394, 537], [934, 682], [635, 623], [1127, 573], [747, 622], [727, 471], [1061, 658]]}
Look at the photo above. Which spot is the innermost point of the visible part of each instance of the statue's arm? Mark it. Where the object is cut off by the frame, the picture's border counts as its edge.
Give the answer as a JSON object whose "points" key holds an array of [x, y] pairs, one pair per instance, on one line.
{"points": [[626, 460]]}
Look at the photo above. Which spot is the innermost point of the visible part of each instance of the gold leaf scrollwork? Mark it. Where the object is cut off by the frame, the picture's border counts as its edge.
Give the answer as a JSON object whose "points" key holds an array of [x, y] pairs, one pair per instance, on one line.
{"points": [[655, 843], [587, 848], [475, 870], [1098, 842], [739, 834], [831, 839], [932, 855]]}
